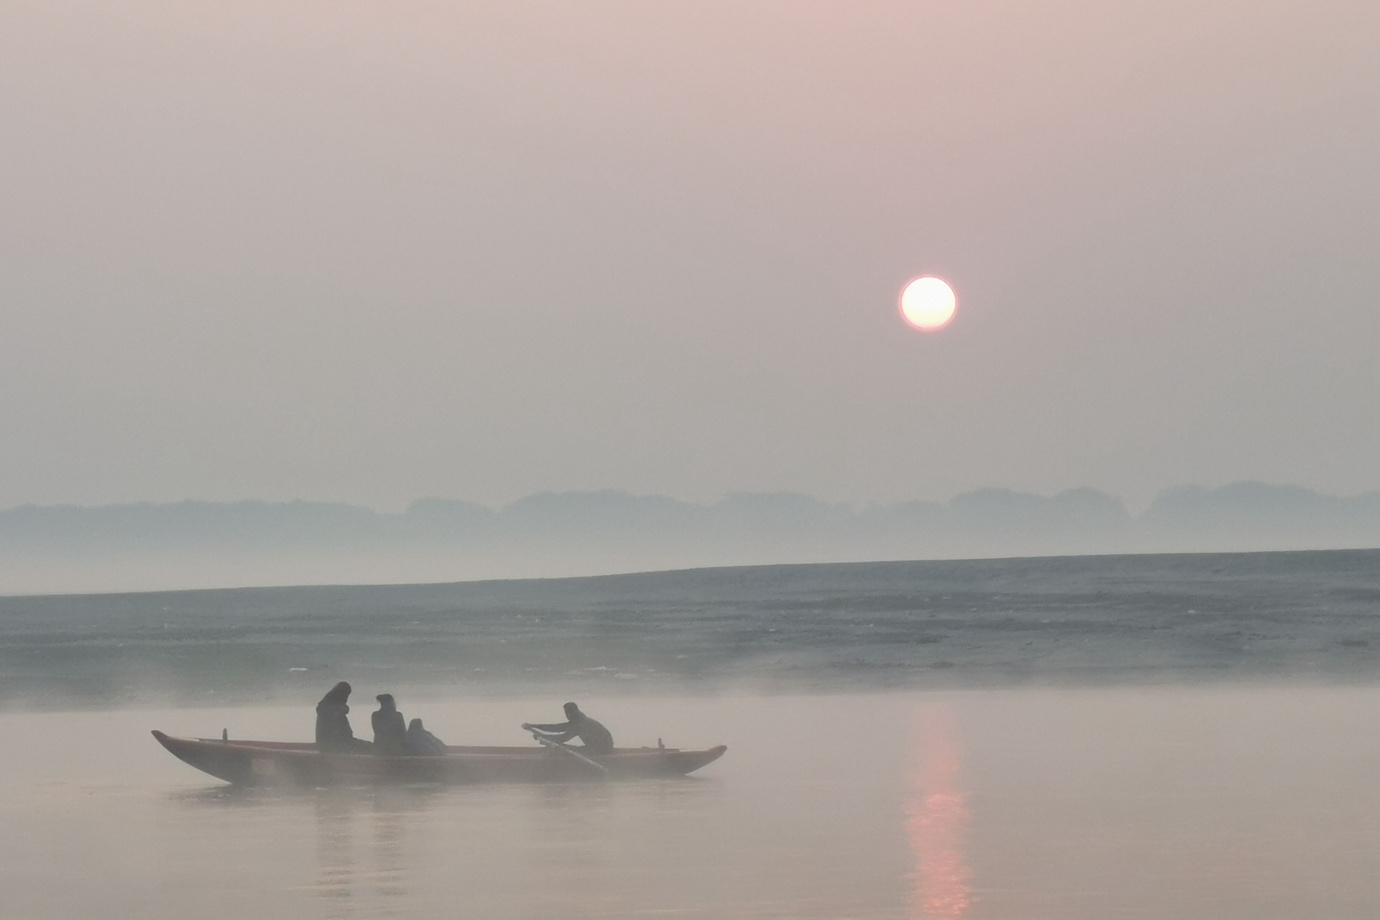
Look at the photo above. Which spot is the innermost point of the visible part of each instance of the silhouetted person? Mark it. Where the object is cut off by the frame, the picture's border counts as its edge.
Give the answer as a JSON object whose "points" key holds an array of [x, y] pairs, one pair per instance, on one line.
{"points": [[333, 731], [421, 742], [595, 737], [389, 727]]}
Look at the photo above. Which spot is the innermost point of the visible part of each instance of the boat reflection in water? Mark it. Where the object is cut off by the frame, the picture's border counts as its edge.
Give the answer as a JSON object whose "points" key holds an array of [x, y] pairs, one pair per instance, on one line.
{"points": [[937, 818], [360, 841]]}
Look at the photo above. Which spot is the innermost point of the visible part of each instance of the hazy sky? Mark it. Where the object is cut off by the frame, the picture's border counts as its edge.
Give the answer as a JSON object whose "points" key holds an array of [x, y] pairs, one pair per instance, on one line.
{"points": [[369, 252]]}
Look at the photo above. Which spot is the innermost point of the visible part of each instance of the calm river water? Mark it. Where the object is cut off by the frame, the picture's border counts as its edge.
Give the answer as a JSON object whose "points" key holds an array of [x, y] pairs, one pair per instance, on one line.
{"points": [[1168, 802]]}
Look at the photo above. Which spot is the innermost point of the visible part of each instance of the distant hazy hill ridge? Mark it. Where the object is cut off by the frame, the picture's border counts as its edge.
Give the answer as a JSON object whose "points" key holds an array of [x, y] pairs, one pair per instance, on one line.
{"points": [[205, 544]]}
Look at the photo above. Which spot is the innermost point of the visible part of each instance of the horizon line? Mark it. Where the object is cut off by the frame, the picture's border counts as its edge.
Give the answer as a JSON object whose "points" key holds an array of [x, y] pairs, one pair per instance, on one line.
{"points": [[724, 498]]}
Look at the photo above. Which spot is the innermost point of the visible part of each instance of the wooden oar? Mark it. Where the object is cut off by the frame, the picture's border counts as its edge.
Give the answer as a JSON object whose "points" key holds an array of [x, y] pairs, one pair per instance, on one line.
{"points": [[556, 745]]}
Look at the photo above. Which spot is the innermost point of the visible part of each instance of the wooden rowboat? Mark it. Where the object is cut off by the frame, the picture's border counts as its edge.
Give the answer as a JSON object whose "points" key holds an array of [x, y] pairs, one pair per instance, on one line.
{"points": [[259, 763]]}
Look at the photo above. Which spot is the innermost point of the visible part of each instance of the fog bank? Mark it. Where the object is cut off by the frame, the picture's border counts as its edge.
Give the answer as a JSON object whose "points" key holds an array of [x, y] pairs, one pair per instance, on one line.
{"points": [[66, 549]]}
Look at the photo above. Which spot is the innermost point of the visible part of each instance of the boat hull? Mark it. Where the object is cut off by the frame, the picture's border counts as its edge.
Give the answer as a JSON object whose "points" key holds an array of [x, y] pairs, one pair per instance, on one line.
{"points": [[263, 763]]}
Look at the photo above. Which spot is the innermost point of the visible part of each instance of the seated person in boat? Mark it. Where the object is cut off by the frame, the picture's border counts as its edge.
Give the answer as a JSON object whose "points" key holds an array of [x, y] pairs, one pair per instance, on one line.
{"points": [[333, 731], [389, 727], [421, 743], [595, 737]]}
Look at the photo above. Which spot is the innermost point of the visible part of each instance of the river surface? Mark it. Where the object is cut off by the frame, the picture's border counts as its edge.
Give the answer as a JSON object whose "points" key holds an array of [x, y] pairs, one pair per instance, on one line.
{"points": [[1169, 802]]}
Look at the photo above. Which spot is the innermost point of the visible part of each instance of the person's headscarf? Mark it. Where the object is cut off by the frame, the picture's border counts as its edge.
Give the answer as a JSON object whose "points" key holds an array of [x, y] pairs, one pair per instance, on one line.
{"points": [[340, 693]]}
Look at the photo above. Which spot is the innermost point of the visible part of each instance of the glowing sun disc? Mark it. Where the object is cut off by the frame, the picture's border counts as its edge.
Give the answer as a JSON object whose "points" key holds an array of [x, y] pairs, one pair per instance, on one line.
{"points": [[928, 303]]}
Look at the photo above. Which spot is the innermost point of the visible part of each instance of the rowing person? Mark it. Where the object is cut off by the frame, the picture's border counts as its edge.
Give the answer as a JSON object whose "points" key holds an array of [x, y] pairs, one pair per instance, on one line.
{"points": [[389, 726], [595, 738], [333, 732]]}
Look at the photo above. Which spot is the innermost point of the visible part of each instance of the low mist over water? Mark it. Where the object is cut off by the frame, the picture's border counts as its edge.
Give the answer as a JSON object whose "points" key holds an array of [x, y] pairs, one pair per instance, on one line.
{"points": [[822, 627]]}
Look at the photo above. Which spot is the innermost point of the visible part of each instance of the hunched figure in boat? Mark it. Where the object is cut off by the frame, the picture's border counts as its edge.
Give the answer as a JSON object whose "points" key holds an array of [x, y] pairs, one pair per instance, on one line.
{"points": [[333, 732], [420, 742], [595, 737], [390, 729]]}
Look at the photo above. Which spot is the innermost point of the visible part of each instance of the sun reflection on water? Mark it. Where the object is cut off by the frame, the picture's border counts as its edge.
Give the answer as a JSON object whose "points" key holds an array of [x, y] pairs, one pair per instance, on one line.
{"points": [[937, 819]]}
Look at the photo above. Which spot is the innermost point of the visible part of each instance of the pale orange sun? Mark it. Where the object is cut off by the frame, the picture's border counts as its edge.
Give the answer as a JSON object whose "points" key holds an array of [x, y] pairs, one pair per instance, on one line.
{"points": [[928, 303]]}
